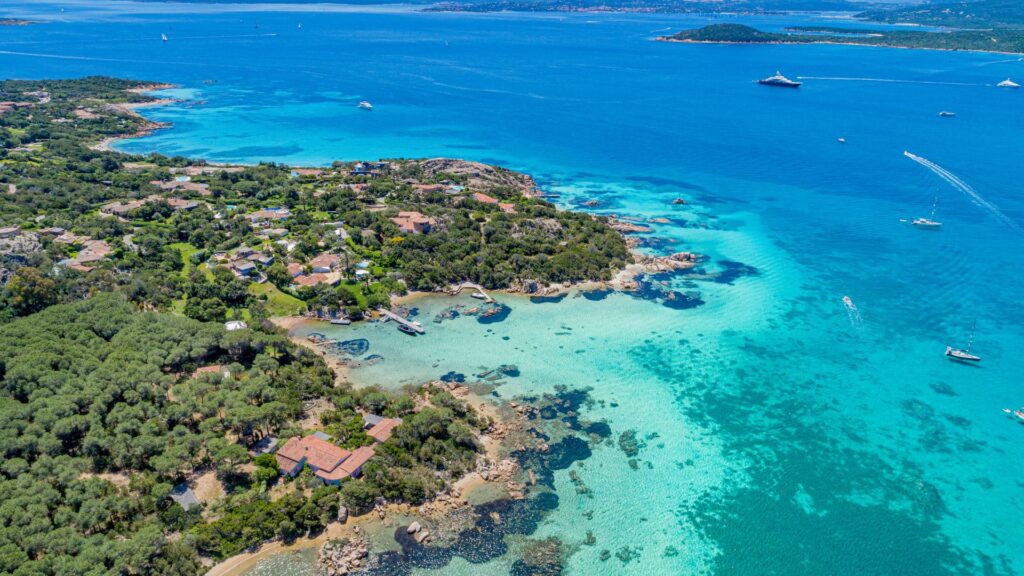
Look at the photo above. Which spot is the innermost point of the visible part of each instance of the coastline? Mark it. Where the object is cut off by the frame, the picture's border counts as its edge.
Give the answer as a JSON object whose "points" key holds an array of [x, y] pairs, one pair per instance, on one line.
{"points": [[379, 524], [289, 323], [888, 46], [131, 109]]}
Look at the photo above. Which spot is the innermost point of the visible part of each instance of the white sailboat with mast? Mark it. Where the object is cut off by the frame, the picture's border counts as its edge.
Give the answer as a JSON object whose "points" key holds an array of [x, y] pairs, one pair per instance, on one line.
{"points": [[928, 223], [958, 355]]}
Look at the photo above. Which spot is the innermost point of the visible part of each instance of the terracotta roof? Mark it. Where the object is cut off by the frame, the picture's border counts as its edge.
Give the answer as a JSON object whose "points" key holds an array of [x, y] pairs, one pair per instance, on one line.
{"points": [[354, 462], [325, 260], [318, 453], [381, 431], [311, 279], [481, 197]]}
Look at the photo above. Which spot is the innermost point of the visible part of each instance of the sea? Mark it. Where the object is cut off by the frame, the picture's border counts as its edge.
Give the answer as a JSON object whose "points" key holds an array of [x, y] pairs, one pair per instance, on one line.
{"points": [[779, 429]]}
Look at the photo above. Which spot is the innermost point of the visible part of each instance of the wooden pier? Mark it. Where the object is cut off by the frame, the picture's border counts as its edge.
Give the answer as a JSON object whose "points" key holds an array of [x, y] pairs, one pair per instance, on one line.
{"points": [[487, 297], [391, 315]]}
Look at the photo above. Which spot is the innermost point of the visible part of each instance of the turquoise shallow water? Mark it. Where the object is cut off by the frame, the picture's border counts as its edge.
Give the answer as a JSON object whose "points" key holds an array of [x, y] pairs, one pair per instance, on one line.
{"points": [[790, 439]]}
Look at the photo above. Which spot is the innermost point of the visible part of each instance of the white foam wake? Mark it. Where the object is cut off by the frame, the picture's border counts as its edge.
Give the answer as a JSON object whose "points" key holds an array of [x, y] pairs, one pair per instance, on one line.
{"points": [[964, 187], [888, 80]]}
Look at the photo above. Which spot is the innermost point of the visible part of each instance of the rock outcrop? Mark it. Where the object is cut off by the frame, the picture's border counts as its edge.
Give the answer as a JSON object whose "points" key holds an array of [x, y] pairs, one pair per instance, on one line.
{"points": [[341, 557], [479, 176]]}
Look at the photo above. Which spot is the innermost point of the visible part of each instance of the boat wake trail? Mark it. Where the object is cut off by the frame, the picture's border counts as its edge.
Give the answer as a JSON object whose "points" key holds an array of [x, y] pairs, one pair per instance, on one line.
{"points": [[852, 313], [889, 80], [955, 181]]}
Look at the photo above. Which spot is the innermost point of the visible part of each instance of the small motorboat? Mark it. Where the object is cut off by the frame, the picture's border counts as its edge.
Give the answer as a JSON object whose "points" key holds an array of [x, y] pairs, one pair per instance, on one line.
{"points": [[841, 140], [946, 114], [364, 105], [478, 295], [1020, 415], [678, 201], [341, 321], [406, 329]]}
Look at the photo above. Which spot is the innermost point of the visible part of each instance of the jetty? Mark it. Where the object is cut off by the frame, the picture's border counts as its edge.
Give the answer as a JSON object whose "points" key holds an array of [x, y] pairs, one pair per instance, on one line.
{"points": [[456, 289], [415, 327]]}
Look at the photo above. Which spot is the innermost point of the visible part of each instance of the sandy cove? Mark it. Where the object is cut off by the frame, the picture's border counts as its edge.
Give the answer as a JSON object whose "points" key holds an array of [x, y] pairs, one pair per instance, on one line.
{"points": [[290, 323], [131, 109]]}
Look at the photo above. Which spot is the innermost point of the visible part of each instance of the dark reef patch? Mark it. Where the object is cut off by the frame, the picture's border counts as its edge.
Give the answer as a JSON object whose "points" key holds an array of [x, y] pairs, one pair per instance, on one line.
{"points": [[356, 347], [548, 299], [597, 295], [494, 315]]}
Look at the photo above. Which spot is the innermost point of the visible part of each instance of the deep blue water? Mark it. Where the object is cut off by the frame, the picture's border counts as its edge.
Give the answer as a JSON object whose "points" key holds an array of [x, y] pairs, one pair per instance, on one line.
{"points": [[838, 447]]}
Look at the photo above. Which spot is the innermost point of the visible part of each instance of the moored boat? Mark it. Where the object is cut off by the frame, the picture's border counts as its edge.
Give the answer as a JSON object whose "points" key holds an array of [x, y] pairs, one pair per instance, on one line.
{"points": [[780, 81], [947, 114], [406, 329], [965, 356], [928, 223], [364, 105], [341, 321], [1008, 84]]}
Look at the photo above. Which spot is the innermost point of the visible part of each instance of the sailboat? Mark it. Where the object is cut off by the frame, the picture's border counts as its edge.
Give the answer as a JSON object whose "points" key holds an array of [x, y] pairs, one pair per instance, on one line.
{"points": [[928, 223], [1008, 84], [958, 355], [163, 37]]}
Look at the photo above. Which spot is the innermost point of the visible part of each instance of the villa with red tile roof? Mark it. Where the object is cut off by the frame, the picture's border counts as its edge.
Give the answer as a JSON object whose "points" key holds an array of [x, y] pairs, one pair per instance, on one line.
{"points": [[320, 455], [325, 262], [413, 222], [383, 428], [328, 462]]}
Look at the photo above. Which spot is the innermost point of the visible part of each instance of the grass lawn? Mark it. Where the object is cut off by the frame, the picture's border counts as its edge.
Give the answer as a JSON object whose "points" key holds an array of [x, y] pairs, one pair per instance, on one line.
{"points": [[278, 303], [186, 250]]}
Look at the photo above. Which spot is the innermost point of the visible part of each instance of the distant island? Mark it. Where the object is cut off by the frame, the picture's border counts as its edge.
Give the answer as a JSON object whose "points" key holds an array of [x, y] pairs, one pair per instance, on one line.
{"points": [[15, 22], [1001, 40], [738, 7], [973, 14]]}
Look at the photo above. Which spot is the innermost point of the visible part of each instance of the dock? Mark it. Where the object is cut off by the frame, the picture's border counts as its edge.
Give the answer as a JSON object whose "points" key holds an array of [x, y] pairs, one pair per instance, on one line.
{"points": [[392, 316], [487, 297]]}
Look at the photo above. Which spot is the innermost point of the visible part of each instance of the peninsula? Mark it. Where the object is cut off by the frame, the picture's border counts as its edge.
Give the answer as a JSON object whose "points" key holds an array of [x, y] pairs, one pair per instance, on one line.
{"points": [[154, 419], [998, 40]]}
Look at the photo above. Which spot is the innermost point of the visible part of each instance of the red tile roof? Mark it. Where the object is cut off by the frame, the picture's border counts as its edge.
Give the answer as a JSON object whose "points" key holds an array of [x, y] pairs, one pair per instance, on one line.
{"points": [[381, 431], [354, 462], [481, 197], [318, 454]]}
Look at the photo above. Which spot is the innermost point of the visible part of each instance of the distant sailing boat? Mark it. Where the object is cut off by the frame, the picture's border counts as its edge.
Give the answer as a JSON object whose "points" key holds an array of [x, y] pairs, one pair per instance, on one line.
{"points": [[958, 355], [163, 37], [928, 223]]}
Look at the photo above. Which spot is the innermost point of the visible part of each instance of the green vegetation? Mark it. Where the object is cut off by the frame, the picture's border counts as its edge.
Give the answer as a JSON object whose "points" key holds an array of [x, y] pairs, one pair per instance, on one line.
{"points": [[964, 14], [277, 303], [116, 272], [173, 231], [995, 40], [97, 387], [101, 413]]}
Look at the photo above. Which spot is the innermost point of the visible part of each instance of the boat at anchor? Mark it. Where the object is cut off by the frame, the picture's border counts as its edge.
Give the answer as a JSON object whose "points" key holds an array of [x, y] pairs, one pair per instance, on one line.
{"points": [[928, 223], [964, 355]]}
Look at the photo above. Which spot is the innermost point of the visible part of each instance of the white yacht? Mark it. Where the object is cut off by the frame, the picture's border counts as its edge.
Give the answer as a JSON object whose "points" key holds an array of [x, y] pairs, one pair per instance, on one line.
{"points": [[1008, 84], [364, 105]]}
